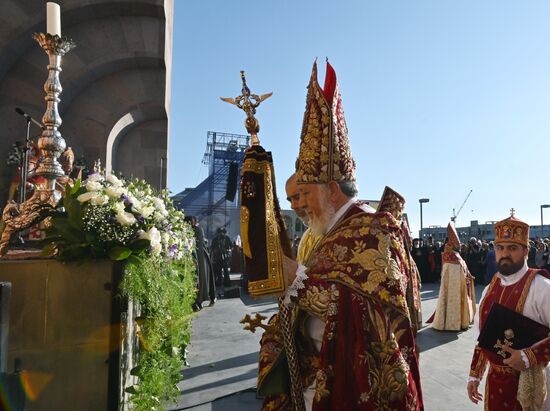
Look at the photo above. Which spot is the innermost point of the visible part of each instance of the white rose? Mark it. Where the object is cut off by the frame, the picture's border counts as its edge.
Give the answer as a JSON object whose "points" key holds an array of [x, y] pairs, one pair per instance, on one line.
{"points": [[111, 178], [114, 192], [153, 235], [158, 217], [147, 211], [95, 177], [158, 202], [99, 199], [87, 196], [93, 185], [125, 218], [136, 204], [119, 207]]}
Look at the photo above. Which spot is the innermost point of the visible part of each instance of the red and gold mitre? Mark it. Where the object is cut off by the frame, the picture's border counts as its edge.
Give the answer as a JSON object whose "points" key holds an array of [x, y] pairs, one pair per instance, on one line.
{"points": [[452, 236], [393, 202], [512, 230], [325, 153]]}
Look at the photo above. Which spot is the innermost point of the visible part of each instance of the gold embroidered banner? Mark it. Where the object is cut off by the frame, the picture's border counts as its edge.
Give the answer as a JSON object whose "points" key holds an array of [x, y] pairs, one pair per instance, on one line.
{"points": [[263, 229]]}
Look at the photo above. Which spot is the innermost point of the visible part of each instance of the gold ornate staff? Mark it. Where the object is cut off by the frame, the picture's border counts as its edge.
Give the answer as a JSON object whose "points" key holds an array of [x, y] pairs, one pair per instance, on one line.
{"points": [[248, 102]]}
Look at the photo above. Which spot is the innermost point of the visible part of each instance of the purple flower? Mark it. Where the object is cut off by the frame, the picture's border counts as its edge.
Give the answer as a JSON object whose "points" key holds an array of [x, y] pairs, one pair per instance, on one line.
{"points": [[172, 250], [127, 201]]}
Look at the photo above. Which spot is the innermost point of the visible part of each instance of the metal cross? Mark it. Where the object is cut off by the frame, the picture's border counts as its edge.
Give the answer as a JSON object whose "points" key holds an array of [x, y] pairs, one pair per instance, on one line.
{"points": [[512, 212], [499, 346], [248, 103]]}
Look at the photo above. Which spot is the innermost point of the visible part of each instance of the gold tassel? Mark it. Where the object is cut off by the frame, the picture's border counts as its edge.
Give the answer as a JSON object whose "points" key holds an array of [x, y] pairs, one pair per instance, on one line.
{"points": [[532, 389]]}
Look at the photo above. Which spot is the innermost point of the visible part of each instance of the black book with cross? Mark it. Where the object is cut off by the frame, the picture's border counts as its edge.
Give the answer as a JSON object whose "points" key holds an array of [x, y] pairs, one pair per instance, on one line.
{"points": [[505, 326]]}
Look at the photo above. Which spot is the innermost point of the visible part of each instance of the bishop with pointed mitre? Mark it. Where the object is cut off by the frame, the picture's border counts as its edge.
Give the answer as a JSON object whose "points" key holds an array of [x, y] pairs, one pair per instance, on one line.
{"points": [[356, 344]]}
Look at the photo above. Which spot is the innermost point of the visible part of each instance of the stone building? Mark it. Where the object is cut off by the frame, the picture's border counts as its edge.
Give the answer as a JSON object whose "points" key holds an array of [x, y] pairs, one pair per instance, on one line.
{"points": [[116, 83]]}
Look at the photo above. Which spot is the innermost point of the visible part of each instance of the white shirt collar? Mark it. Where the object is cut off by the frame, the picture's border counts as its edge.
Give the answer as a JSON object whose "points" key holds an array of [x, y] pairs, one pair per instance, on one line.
{"points": [[341, 211], [506, 280]]}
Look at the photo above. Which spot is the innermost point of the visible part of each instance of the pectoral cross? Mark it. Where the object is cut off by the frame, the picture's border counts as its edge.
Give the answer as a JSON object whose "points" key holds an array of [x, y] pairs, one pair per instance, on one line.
{"points": [[248, 103], [499, 345]]}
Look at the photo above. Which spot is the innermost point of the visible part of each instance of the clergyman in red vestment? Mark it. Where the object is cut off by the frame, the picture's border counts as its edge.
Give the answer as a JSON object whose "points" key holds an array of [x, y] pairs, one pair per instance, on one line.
{"points": [[355, 340], [518, 378]]}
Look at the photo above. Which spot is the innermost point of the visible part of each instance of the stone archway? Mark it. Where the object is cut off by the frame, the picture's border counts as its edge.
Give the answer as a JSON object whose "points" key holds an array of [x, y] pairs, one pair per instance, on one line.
{"points": [[115, 82]]}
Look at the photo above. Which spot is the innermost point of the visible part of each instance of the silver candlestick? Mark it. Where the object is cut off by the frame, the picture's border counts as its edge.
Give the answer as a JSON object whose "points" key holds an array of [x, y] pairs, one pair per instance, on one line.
{"points": [[51, 144]]}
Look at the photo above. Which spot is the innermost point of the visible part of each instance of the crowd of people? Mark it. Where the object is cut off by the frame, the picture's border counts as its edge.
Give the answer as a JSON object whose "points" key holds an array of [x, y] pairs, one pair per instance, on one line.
{"points": [[479, 257]]}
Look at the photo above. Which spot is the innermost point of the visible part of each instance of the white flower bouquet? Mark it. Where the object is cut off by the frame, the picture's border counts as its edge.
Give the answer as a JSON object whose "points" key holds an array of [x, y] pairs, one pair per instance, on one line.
{"points": [[105, 216]]}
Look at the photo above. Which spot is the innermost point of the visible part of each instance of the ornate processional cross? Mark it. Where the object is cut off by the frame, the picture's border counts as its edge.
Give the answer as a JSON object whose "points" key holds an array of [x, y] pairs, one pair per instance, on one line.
{"points": [[248, 103]]}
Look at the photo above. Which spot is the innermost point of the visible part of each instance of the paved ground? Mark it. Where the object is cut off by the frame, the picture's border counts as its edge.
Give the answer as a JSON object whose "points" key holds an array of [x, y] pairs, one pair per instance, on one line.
{"points": [[223, 356]]}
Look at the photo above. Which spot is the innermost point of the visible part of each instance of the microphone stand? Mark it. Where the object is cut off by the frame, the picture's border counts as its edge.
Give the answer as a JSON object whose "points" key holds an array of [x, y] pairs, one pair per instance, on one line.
{"points": [[23, 173]]}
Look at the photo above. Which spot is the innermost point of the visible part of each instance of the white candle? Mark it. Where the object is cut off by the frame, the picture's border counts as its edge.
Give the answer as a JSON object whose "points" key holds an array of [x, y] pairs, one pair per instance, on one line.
{"points": [[53, 18]]}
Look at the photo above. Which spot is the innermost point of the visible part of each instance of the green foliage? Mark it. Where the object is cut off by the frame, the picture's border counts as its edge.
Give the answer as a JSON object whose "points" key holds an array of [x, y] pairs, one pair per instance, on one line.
{"points": [[165, 291]]}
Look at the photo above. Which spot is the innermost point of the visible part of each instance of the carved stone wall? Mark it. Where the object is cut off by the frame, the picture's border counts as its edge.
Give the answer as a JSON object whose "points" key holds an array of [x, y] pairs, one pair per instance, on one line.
{"points": [[116, 82]]}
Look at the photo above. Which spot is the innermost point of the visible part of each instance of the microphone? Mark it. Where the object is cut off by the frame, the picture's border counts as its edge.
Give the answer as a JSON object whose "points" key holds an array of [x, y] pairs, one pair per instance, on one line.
{"points": [[29, 118]]}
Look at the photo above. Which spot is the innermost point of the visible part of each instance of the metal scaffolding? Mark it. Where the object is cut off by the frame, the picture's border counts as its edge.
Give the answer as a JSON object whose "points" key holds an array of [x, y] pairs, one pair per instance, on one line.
{"points": [[207, 202]]}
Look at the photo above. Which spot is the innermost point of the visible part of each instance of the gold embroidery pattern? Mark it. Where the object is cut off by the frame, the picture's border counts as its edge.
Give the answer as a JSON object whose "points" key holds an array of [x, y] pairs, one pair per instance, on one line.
{"points": [[320, 302], [478, 363], [314, 149], [321, 385], [502, 369], [388, 373], [245, 218], [254, 166], [249, 190], [392, 202], [364, 252], [379, 262], [531, 357], [342, 160], [325, 153]]}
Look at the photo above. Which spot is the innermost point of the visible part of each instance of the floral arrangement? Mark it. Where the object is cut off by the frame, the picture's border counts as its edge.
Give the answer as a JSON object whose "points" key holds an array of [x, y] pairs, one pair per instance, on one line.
{"points": [[108, 217]]}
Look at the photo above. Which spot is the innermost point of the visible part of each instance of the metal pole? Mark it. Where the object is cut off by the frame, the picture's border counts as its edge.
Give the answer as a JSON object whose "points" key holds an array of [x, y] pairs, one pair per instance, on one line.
{"points": [[541, 224], [421, 226], [24, 166]]}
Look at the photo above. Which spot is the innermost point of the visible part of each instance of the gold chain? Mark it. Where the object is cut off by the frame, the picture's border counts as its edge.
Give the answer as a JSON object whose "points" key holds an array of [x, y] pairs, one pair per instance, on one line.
{"points": [[296, 390]]}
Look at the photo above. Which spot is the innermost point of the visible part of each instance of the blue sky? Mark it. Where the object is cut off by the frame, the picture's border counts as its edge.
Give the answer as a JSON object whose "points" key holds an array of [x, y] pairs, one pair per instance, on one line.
{"points": [[440, 97]]}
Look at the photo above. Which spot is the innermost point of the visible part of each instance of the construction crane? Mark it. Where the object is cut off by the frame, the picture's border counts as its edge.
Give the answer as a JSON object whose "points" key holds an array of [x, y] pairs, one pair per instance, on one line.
{"points": [[455, 215]]}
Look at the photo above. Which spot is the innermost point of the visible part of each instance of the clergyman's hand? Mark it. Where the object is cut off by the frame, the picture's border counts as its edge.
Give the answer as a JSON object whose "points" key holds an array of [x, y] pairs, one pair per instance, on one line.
{"points": [[473, 393], [515, 361], [289, 267]]}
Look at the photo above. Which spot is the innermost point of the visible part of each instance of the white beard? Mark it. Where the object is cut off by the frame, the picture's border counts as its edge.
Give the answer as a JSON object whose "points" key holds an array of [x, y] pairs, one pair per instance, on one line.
{"points": [[319, 225]]}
